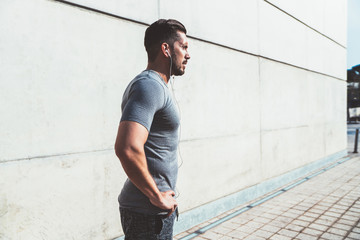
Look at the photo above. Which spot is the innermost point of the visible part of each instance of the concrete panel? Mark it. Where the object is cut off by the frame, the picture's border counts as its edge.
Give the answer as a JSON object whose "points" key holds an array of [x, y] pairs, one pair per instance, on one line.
{"points": [[284, 96], [231, 23], [316, 92], [306, 11], [327, 17], [335, 20], [335, 116], [64, 197], [315, 144], [218, 95], [335, 97], [63, 94], [283, 150], [145, 11], [287, 40], [335, 60], [325, 56], [281, 37], [335, 137], [215, 167], [303, 123]]}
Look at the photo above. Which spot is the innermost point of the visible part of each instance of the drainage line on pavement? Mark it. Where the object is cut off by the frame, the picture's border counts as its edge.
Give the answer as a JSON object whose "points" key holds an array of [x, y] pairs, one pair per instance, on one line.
{"points": [[244, 209]]}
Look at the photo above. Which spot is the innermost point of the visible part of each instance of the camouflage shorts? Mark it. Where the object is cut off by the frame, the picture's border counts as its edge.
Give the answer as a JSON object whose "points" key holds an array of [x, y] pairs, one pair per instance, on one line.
{"points": [[138, 226]]}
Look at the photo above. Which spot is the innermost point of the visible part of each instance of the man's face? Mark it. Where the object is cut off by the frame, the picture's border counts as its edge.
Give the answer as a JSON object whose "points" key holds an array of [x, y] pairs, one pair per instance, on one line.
{"points": [[180, 55]]}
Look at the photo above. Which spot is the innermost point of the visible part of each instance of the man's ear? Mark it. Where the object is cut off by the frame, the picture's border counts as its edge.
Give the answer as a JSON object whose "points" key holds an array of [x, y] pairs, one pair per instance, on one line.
{"points": [[165, 49]]}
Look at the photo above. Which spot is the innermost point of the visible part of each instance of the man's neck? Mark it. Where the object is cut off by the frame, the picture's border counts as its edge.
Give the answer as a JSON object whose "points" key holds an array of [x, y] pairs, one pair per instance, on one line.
{"points": [[160, 70]]}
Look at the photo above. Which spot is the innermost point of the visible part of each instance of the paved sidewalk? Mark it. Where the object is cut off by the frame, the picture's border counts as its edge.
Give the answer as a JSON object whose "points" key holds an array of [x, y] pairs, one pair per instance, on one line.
{"points": [[326, 206]]}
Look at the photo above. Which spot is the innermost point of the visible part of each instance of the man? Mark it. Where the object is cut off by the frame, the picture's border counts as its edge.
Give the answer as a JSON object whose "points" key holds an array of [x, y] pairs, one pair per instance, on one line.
{"points": [[147, 138]]}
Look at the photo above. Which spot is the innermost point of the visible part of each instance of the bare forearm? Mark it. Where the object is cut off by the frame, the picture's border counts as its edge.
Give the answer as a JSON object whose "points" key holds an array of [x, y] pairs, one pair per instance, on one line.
{"points": [[136, 169]]}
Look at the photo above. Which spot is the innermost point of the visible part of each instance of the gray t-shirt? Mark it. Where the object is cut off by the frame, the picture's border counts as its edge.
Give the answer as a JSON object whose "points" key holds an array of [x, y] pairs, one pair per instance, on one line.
{"points": [[148, 100]]}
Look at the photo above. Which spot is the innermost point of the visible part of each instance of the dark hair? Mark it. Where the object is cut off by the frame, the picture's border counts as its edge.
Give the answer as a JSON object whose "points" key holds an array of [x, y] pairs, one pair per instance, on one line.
{"points": [[159, 32]]}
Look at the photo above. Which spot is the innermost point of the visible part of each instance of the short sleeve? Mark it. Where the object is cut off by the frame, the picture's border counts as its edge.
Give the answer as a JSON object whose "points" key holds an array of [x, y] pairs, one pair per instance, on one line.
{"points": [[144, 98]]}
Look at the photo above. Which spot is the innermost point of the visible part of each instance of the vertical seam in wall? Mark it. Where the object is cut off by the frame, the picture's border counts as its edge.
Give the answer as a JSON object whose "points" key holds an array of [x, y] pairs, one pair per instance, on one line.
{"points": [[259, 75]]}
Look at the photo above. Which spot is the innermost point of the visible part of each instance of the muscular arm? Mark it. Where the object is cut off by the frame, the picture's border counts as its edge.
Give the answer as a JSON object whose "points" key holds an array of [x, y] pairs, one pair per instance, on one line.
{"points": [[129, 147]]}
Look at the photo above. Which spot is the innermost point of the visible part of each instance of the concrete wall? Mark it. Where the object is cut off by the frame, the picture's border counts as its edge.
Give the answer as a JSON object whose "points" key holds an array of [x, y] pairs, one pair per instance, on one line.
{"points": [[264, 94]]}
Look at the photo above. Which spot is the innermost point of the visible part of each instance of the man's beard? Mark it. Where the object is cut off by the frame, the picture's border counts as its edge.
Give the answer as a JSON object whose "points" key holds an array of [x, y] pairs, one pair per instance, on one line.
{"points": [[176, 68]]}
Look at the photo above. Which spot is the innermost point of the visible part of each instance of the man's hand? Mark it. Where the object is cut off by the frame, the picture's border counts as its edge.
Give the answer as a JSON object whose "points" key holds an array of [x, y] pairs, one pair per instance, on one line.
{"points": [[165, 201]]}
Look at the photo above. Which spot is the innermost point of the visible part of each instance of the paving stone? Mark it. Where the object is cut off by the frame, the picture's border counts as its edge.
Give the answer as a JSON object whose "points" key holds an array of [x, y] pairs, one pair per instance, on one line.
{"points": [[262, 233], [290, 214], [354, 235], [332, 214], [320, 208], [351, 213], [254, 238], [323, 222], [340, 207], [280, 237], [277, 212], [337, 210], [287, 233], [304, 236], [336, 231], [239, 220], [301, 223], [246, 229], [316, 211], [296, 211], [301, 208], [226, 238], [257, 212], [295, 228], [230, 225], [211, 235], [269, 215], [348, 217], [278, 223], [342, 226], [284, 219], [237, 234], [355, 211], [262, 220], [221, 229], [311, 215], [318, 227], [330, 236], [325, 204], [345, 204], [328, 219], [247, 216], [306, 218], [270, 228], [312, 232], [254, 224], [346, 222]]}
